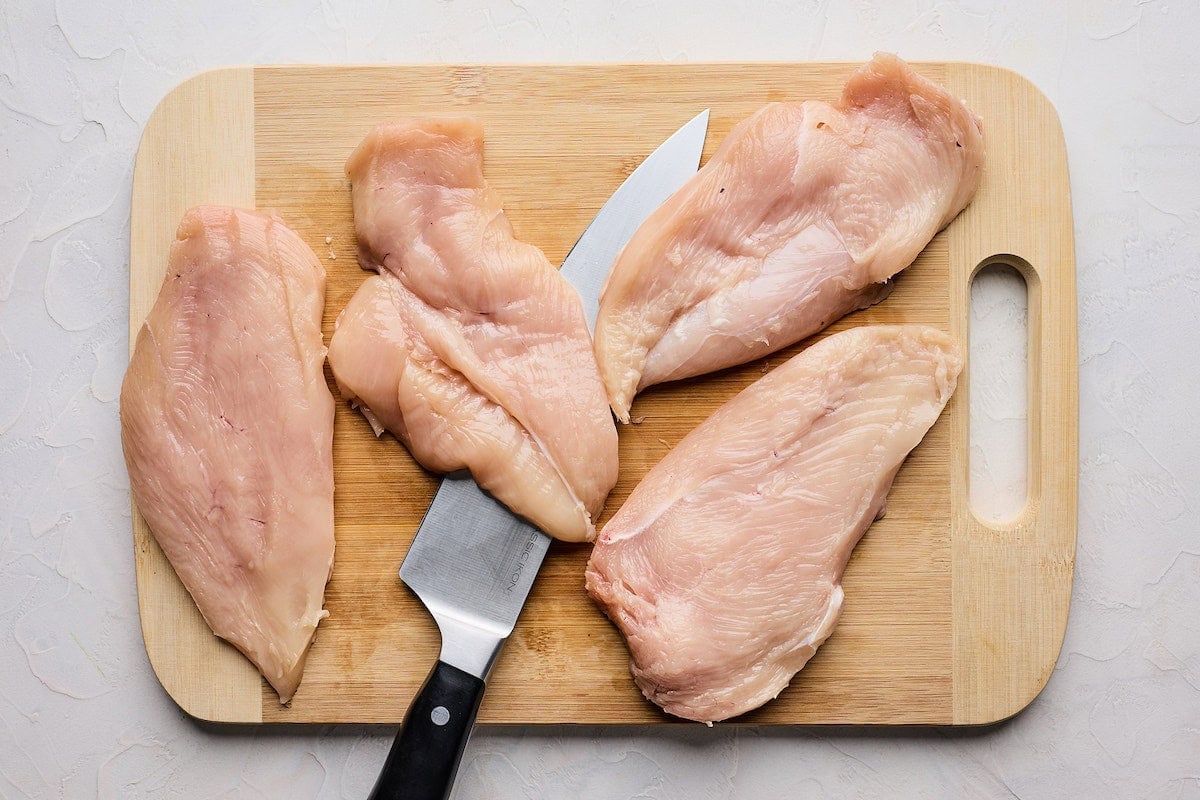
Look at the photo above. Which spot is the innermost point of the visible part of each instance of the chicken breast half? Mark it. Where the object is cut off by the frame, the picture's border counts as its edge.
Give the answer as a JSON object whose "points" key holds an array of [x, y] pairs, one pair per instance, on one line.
{"points": [[723, 568], [800, 217], [468, 345], [227, 427]]}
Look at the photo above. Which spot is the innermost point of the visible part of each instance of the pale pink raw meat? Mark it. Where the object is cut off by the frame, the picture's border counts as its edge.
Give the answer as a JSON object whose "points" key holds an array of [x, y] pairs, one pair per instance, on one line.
{"points": [[227, 427], [468, 345], [800, 217], [723, 568]]}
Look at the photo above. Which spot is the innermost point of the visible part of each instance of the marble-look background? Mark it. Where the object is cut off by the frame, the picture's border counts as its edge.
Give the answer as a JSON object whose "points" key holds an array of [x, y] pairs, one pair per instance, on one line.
{"points": [[82, 715]]}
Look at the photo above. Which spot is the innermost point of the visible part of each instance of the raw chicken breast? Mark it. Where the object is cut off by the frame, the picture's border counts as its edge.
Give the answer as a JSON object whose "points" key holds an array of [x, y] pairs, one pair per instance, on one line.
{"points": [[468, 345], [227, 426], [799, 218], [723, 569]]}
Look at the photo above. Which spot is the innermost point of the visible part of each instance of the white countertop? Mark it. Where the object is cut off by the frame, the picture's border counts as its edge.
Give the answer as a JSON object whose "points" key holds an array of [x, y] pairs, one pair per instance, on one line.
{"points": [[81, 713]]}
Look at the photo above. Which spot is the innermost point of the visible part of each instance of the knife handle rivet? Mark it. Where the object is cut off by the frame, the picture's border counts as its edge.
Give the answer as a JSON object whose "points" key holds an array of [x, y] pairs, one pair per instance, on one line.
{"points": [[440, 716]]}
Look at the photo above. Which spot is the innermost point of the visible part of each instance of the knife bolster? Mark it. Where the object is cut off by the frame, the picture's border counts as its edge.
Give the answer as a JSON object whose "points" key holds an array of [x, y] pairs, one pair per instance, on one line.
{"points": [[471, 645]]}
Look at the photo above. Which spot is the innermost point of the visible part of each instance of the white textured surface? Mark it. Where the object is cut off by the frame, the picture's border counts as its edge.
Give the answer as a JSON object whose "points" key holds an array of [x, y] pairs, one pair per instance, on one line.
{"points": [[81, 714]]}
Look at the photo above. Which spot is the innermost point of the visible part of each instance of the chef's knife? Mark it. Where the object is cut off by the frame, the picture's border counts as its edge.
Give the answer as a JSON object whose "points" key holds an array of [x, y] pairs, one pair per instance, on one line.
{"points": [[473, 561]]}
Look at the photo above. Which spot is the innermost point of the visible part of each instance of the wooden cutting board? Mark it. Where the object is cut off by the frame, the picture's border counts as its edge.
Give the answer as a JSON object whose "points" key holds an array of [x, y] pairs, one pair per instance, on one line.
{"points": [[947, 620]]}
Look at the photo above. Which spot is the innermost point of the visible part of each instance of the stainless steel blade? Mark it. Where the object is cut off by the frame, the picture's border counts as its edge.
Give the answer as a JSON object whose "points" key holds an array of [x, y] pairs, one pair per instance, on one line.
{"points": [[473, 561], [646, 188]]}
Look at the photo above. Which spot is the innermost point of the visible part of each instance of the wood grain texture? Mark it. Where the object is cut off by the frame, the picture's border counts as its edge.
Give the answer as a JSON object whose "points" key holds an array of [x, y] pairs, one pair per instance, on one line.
{"points": [[198, 142], [1012, 583], [946, 620]]}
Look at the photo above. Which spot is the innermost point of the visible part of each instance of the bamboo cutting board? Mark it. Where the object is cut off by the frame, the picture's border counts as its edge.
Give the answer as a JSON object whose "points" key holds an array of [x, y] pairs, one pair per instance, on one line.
{"points": [[947, 620]]}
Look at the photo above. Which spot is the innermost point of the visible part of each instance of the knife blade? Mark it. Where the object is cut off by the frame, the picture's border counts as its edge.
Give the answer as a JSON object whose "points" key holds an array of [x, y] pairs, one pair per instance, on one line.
{"points": [[472, 561]]}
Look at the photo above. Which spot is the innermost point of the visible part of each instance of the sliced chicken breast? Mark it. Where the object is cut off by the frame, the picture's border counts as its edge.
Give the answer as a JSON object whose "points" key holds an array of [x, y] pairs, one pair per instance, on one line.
{"points": [[723, 569], [468, 345], [227, 427], [800, 217]]}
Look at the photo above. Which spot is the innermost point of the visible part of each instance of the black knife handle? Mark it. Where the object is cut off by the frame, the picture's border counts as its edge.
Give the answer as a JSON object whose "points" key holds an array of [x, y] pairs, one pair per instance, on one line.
{"points": [[424, 758]]}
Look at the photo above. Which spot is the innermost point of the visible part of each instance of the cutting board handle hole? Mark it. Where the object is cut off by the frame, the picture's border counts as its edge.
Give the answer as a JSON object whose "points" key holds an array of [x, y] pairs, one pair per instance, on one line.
{"points": [[999, 390]]}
